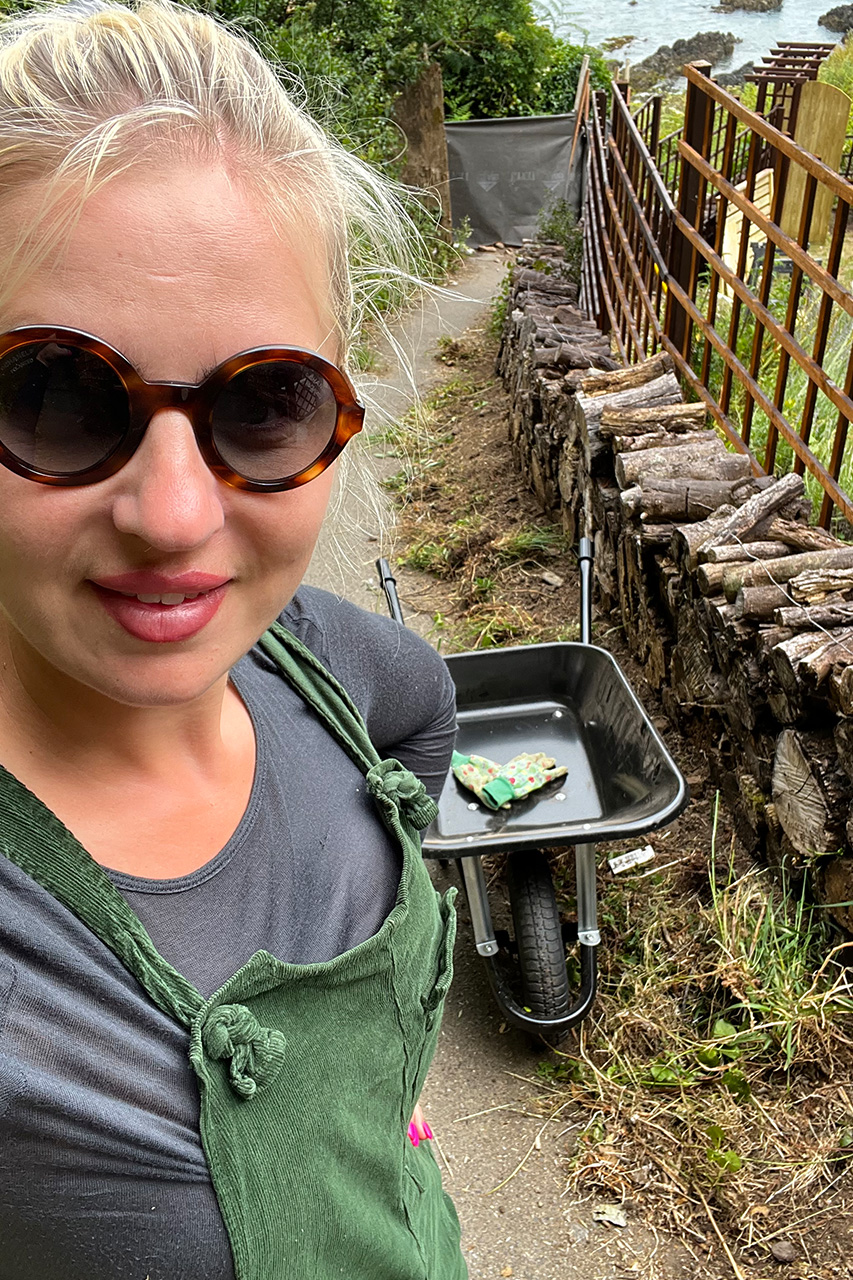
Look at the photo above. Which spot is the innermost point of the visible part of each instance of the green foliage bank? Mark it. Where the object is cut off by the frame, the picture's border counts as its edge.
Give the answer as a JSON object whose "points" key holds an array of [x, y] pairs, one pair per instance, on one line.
{"points": [[356, 56]]}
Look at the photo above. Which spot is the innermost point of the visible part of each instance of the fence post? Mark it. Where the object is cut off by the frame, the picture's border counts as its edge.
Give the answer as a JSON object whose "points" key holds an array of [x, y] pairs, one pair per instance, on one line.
{"points": [[698, 116], [654, 137], [593, 215]]}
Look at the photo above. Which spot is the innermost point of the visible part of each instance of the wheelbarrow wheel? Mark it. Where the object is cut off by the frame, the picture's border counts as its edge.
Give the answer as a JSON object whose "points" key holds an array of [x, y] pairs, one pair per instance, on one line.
{"points": [[538, 935]]}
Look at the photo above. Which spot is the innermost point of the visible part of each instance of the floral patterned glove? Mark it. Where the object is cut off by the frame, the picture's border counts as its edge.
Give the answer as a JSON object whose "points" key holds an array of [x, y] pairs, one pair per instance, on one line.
{"points": [[524, 773], [498, 785], [474, 772]]}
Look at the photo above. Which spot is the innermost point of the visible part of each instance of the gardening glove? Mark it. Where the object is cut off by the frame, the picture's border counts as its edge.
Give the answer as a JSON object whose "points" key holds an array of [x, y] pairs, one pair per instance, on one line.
{"points": [[474, 772], [524, 773], [497, 785]]}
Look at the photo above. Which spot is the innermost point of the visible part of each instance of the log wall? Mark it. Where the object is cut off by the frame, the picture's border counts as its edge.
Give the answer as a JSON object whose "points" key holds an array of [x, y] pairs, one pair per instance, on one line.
{"points": [[740, 612]]}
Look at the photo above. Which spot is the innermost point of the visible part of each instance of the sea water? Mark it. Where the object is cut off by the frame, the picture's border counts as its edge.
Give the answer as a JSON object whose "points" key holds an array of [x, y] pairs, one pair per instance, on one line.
{"points": [[652, 23]]}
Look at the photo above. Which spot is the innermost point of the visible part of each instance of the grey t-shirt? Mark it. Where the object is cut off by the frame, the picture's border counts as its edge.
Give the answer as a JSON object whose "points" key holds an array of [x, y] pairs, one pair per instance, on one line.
{"points": [[102, 1174]]}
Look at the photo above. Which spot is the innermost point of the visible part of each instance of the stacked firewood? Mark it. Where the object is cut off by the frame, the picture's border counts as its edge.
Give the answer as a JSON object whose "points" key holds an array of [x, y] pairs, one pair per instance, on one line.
{"points": [[739, 609]]}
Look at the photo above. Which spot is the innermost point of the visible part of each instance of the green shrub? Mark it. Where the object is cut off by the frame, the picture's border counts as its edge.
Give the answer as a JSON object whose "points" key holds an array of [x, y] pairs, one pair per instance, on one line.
{"points": [[558, 224], [560, 78]]}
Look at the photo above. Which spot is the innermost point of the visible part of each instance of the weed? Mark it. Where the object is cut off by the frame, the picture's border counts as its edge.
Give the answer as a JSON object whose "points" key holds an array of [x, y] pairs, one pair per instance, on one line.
{"points": [[777, 963], [558, 224], [394, 439], [530, 542], [452, 390], [362, 357], [713, 1065], [452, 350], [489, 625], [482, 587], [500, 305], [429, 557], [397, 484]]}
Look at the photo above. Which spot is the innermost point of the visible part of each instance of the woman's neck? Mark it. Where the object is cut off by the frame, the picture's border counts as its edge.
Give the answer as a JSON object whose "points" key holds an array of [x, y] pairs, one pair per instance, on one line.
{"points": [[153, 791], [51, 714]]}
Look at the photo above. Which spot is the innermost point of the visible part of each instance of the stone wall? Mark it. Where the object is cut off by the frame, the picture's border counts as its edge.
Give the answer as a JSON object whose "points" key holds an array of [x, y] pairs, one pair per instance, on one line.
{"points": [[740, 612]]}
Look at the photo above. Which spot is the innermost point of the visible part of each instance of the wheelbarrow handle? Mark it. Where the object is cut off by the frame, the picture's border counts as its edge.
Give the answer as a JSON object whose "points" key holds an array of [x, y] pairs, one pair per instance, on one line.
{"points": [[585, 561], [388, 583]]}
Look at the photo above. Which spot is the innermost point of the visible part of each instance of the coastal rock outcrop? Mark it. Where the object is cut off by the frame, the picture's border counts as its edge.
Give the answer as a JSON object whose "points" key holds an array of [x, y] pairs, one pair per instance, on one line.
{"points": [[750, 6], [734, 79], [666, 62], [838, 19]]}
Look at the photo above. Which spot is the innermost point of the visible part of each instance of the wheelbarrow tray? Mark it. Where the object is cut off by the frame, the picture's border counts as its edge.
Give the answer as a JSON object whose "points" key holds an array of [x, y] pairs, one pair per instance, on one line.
{"points": [[572, 702]]}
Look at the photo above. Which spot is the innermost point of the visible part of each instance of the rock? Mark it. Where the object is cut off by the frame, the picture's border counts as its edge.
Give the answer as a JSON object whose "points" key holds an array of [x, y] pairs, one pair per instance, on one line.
{"points": [[750, 6], [838, 19], [783, 1250], [734, 79], [667, 62], [613, 1214]]}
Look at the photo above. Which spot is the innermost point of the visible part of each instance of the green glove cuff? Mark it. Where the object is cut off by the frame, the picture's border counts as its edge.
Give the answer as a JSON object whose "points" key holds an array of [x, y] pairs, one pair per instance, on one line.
{"points": [[497, 793]]}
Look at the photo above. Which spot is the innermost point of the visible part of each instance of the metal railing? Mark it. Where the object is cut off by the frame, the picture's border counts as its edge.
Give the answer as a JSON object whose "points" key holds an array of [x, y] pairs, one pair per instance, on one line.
{"points": [[737, 277]]}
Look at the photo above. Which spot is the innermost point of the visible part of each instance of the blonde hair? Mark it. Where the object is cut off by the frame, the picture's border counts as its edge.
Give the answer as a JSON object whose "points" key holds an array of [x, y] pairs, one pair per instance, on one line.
{"points": [[91, 90]]}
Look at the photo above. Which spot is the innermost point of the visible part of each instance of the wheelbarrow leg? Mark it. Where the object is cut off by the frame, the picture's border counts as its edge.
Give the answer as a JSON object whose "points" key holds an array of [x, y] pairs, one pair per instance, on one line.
{"points": [[478, 903], [588, 934]]}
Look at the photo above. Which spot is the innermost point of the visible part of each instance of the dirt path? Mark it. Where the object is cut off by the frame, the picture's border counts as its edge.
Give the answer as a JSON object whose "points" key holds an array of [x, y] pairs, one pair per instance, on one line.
{"points": [[389, 394], [503, 1155]]}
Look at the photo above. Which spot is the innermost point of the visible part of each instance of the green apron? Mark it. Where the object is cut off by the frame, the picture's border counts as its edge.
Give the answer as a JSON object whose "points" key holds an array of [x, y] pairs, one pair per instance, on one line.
{"points": [[307, 1074]]}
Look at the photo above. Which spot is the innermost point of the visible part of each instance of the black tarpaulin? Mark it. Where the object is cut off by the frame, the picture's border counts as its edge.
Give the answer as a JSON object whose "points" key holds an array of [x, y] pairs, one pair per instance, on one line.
{"points": [[504, 172]]}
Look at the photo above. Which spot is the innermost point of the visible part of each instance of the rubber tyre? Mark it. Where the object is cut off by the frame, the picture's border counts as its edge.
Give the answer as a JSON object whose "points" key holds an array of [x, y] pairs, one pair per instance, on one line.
{"points": [[538, 935]]}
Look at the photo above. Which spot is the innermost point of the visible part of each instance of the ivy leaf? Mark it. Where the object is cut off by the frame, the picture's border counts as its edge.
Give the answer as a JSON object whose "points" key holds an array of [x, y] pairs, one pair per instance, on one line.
{"points": [[737, 1085]]}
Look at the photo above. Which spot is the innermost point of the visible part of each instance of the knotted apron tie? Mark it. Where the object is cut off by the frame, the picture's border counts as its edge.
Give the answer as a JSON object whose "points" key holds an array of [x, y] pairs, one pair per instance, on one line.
{"points": [[392, 783], [255, 1053]]}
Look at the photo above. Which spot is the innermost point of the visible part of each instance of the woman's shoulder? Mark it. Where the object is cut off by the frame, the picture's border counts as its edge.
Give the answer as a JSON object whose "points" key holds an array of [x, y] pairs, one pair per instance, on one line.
{"points": [[347, 638], [396, 679]]}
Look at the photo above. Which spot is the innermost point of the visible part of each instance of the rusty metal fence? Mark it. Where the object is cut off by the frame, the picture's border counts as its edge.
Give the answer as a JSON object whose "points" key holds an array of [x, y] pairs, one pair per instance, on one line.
{"points": [[734, 265]]}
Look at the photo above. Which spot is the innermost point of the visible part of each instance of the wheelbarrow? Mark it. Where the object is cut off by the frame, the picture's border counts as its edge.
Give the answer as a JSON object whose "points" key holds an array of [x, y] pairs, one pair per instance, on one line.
{"points": [[571, 701]]}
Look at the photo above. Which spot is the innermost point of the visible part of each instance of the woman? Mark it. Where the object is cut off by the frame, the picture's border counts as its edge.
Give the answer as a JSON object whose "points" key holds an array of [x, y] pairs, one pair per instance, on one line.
{"points": [[222, 964]]}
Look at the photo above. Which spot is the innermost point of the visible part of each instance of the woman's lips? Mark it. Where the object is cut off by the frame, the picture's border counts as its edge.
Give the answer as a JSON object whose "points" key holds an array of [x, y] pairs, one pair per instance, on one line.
{"points": [[172, 609]]}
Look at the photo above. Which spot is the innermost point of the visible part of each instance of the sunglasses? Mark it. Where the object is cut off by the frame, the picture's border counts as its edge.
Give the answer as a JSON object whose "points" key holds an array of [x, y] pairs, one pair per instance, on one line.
{"points": [[73, 411]]}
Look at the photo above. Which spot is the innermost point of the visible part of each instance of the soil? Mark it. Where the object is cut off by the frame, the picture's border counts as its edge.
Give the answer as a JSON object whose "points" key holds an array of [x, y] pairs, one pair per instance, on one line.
{"points": [[473, 571]]}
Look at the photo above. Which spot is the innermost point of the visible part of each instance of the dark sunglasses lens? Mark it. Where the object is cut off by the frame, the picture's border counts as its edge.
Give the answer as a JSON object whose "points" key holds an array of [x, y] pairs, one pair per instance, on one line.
{"points": [[273, 420], [62, 409]]}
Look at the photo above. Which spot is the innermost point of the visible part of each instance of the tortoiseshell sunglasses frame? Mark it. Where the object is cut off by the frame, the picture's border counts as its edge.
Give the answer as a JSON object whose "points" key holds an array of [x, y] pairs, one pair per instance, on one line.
{"points": [[195, 400]]}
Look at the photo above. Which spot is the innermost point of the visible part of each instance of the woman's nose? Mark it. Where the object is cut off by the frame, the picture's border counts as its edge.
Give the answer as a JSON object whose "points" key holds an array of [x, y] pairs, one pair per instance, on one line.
{"points": [[166, 494]]}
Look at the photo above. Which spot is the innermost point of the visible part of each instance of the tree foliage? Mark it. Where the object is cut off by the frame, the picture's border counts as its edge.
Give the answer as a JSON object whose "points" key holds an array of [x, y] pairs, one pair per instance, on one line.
{"points": [[355, 56], [496, 58]]}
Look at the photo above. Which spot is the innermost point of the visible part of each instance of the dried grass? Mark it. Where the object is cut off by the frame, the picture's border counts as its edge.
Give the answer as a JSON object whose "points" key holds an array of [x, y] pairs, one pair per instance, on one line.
{"points": [[713, 1068]]}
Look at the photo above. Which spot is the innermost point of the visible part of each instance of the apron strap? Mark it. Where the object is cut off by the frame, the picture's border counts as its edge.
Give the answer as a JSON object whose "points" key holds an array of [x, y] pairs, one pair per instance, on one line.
{"points": [[395, 789], [34, 839], [316, 685]]}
